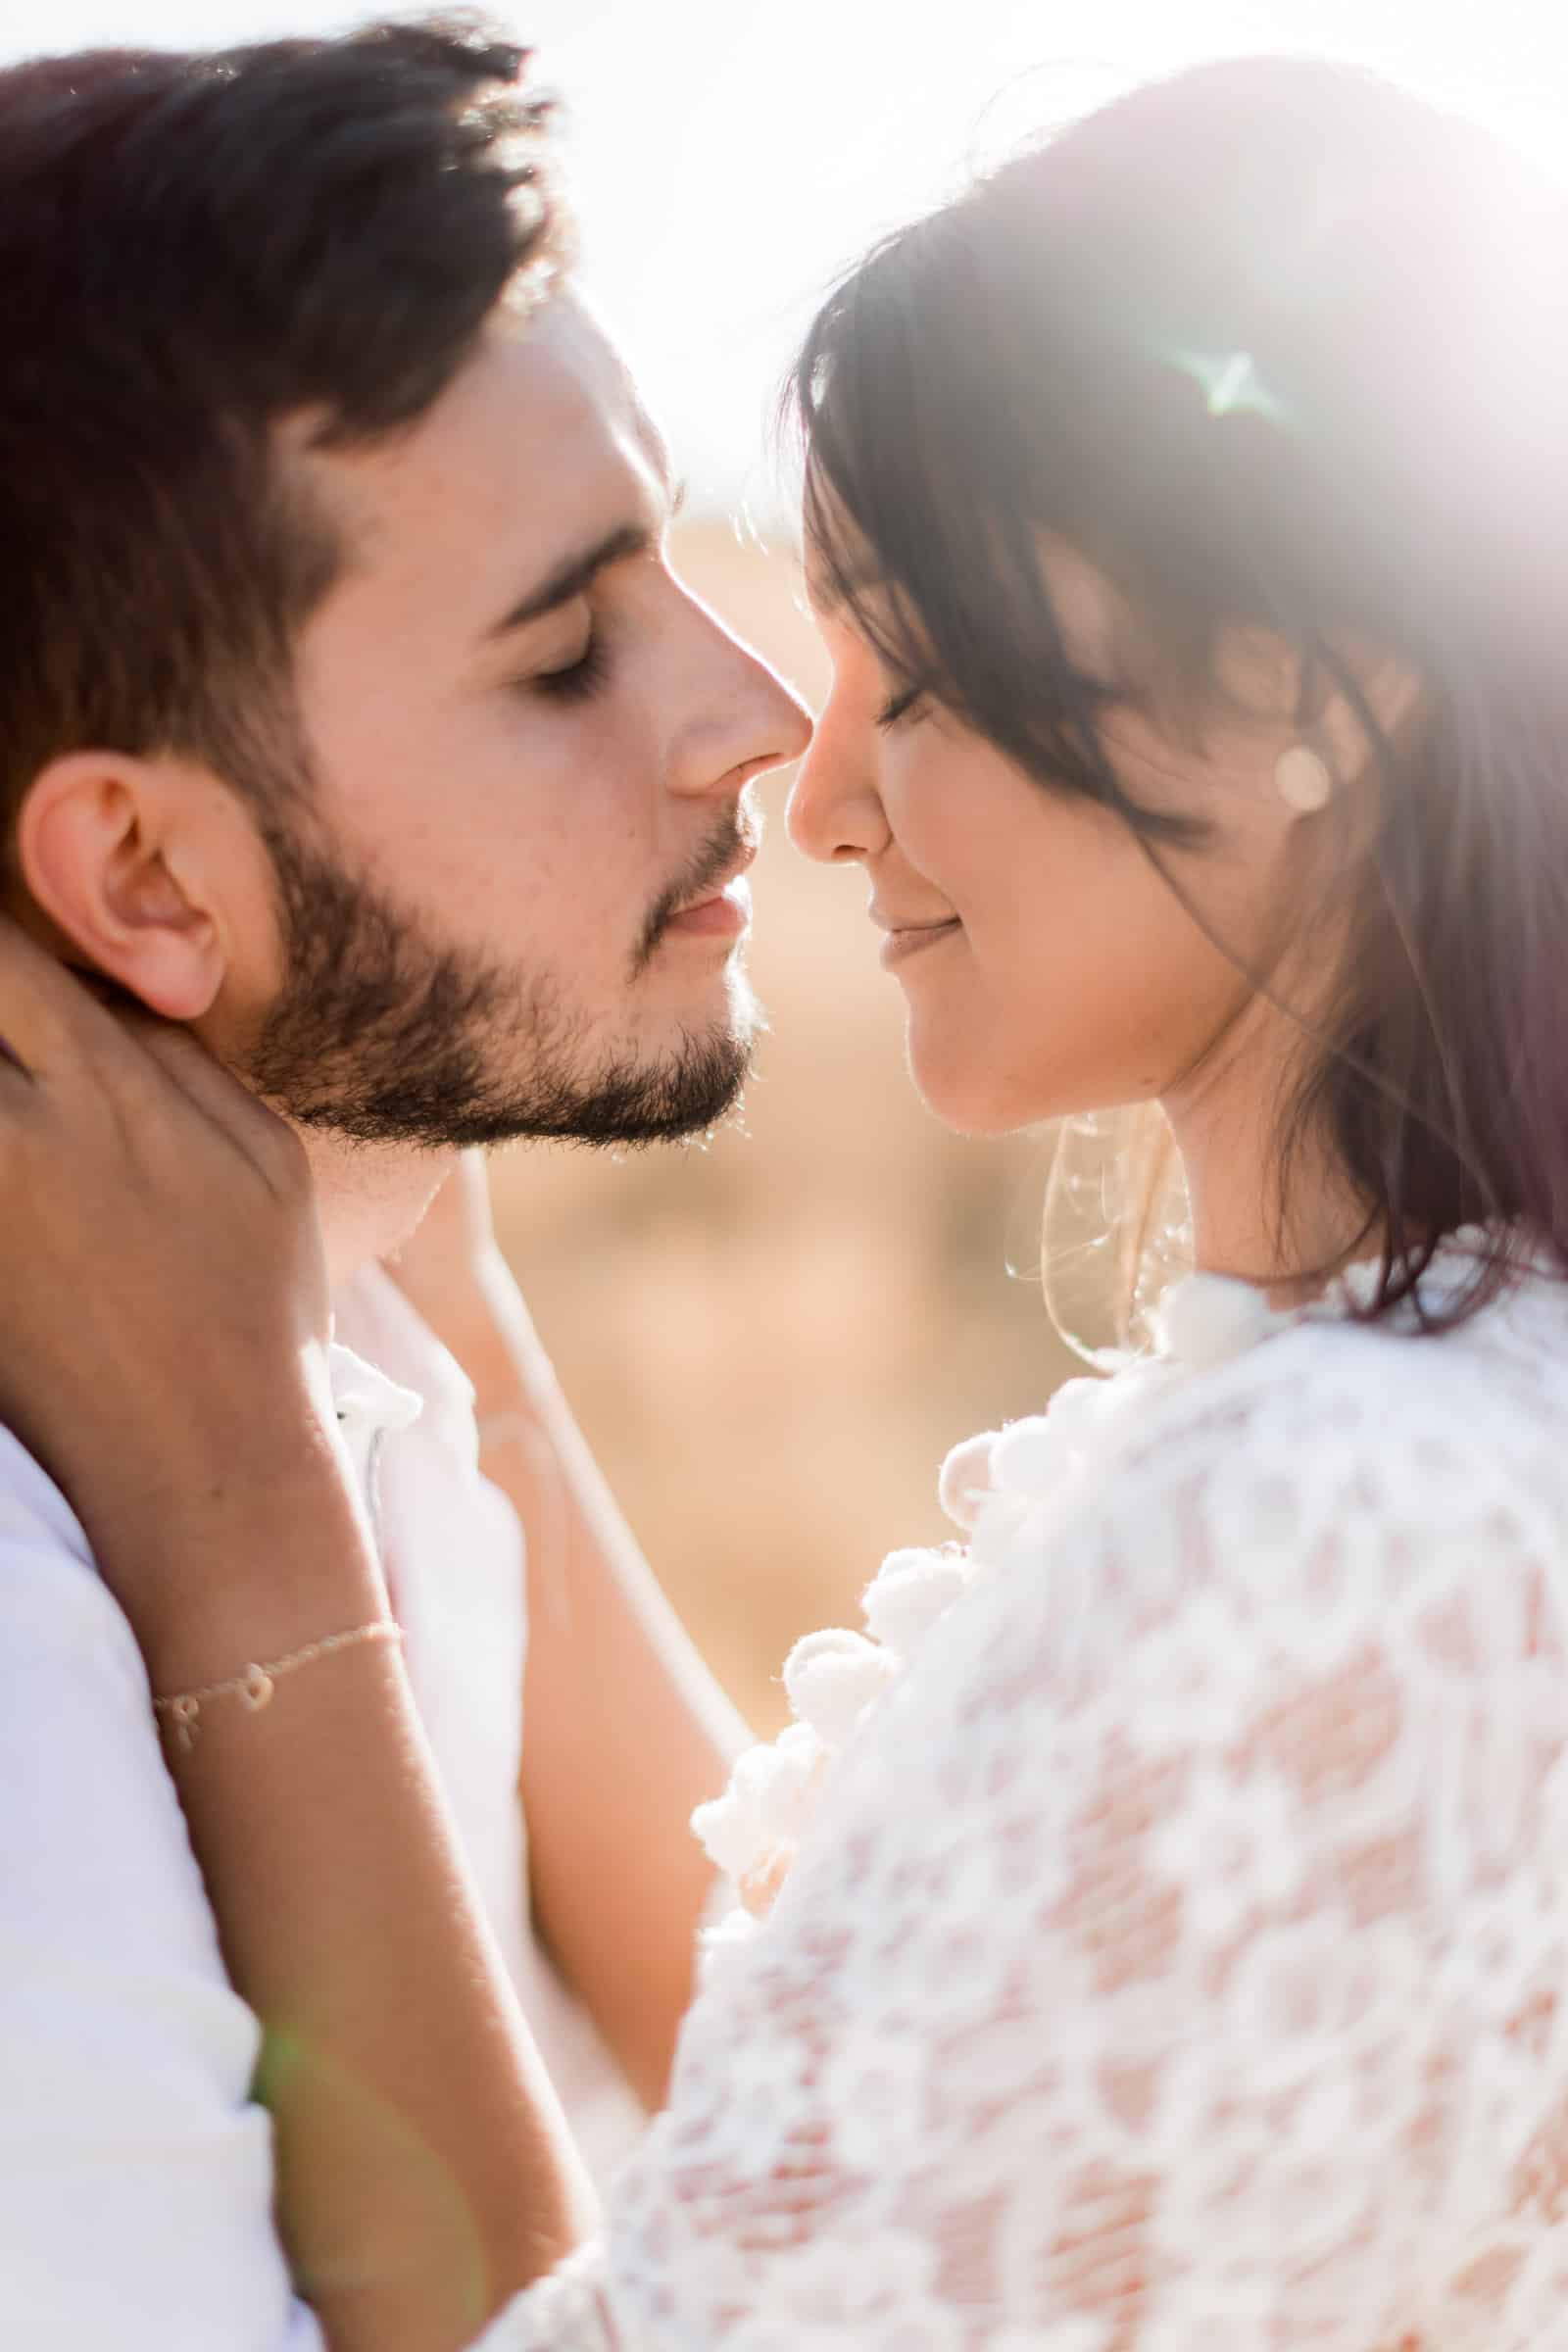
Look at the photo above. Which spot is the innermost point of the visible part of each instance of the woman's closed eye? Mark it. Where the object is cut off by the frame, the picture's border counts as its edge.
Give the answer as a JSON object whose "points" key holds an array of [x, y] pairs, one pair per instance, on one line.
{"points": [[905, 704]]}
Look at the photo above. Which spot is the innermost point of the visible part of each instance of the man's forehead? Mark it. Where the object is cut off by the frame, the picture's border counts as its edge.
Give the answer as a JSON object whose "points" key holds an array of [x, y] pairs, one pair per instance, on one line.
{"points": [[569, 338], [541, 435]]}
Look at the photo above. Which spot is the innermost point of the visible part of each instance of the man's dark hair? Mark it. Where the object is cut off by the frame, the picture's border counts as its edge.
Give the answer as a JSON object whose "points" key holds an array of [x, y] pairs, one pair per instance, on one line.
{"points": [[193, 251]]}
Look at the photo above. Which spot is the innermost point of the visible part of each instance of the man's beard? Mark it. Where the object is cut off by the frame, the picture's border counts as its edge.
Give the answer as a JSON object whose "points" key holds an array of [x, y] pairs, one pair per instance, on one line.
{"points": [[382, 1034]]}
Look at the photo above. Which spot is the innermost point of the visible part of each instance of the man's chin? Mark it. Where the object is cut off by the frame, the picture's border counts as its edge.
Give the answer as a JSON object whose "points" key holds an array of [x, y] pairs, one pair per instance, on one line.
{"points": [[695, 1085], [631, 1105], [628, 1103]]}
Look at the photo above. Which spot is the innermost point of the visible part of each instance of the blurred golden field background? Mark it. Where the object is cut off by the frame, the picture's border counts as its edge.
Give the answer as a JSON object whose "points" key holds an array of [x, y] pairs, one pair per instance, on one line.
{"points": [[771, 1341]]}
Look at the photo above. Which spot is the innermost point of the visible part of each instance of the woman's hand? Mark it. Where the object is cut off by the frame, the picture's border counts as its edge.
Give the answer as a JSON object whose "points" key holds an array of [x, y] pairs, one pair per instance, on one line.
{"points": [[166, 1299]]}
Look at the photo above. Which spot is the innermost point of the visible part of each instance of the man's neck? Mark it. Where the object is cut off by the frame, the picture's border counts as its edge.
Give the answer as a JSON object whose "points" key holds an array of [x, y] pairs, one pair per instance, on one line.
{"points": [[369, 1199]]}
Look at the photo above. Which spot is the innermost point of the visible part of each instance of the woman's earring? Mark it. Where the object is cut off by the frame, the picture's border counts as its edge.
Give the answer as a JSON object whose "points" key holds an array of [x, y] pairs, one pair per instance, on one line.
{"points": [[1302, 781]]}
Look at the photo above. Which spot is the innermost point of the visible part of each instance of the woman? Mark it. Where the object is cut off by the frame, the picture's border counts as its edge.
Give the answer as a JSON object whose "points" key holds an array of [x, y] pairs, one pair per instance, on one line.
{"points": [[1169, 1950]]}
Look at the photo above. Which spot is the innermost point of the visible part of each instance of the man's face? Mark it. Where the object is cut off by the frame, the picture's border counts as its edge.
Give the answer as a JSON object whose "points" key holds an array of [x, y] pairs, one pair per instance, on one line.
{"points": [[504, 898]]}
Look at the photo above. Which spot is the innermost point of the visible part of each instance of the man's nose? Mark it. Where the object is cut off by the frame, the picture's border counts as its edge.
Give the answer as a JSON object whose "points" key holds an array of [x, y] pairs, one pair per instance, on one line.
{"points": [[758, 722]]}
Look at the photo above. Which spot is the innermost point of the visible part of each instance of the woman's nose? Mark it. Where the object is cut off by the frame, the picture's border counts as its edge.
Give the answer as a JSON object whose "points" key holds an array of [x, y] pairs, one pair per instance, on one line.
{"points": [[835, 811]]}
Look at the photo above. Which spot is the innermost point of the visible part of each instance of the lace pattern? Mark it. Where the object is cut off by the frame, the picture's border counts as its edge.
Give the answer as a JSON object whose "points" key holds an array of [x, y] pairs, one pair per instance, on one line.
{"points": [[1175, 1958]]}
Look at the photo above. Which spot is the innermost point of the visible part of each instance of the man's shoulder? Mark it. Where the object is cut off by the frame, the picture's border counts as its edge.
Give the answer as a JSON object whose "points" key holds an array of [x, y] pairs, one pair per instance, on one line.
{"points": [[71, 1670], [91, 1834], [126, 2054], [33, 1508], [50, 1587]]}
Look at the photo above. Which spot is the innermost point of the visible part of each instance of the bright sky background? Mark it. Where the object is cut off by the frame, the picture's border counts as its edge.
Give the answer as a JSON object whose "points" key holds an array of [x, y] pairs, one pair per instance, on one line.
{"points": [[730, 155]]}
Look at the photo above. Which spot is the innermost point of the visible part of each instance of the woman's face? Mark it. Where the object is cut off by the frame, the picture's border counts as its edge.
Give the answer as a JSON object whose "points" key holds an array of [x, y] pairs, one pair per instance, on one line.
{"points": [[1047, 963]]}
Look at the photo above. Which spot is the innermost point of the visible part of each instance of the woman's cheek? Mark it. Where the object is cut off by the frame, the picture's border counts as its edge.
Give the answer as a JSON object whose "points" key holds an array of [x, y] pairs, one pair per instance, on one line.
{"points": [[923, 801]]}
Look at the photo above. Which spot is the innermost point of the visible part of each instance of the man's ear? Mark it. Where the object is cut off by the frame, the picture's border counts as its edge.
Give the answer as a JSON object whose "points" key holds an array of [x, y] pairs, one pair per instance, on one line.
{"points": [[118, 854]]}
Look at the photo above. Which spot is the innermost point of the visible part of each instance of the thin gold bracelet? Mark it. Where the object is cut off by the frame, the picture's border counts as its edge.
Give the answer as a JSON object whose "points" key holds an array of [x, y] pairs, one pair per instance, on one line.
{"points": [[254, 1688]]}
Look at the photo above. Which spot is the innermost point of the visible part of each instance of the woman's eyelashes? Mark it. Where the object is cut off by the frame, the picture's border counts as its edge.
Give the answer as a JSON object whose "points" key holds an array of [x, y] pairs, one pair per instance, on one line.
{"points": [[902, 705]]}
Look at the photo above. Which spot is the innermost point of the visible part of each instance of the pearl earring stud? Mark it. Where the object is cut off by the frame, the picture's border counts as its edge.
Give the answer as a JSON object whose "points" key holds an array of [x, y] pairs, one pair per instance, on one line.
{"points": [[1302, 781]]}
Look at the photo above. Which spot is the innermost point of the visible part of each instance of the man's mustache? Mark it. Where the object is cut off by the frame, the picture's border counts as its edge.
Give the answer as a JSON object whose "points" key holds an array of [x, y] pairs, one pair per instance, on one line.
{"points": [[738, 837]]}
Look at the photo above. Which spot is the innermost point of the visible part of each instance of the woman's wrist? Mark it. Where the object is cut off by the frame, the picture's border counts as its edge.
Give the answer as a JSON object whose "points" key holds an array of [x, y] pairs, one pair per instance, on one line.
{"points": [[246, 1572]]}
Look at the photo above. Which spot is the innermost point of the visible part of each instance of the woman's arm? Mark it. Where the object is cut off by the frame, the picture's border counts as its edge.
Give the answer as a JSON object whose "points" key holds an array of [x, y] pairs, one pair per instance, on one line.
{"points": [[423, 2168], [625, 1731], [164, 1363]]}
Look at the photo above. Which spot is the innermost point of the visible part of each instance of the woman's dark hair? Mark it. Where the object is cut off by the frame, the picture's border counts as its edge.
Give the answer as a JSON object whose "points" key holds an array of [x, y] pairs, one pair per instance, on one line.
{"points": [[195, 250], [1278, 346]]}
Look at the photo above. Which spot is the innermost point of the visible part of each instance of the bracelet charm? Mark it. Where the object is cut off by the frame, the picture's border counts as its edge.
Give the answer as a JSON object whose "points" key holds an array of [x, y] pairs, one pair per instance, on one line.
{"points": [[254, 1688]]}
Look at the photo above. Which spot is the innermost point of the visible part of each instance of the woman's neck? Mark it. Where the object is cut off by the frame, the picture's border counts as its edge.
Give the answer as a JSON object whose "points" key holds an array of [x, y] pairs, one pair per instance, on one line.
{"points": [[1246, 1222]]}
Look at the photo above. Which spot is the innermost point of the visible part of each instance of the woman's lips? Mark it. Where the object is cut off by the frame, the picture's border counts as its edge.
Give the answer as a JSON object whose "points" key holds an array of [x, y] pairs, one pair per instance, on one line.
{"points": [[899, 945]]}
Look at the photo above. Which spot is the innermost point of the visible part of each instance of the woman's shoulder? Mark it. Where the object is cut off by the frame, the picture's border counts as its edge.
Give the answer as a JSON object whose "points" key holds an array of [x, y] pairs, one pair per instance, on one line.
{"points": [[1319, 1495], [1384, 1414], [1183, 1552], [1404, 1410], [1337, 1508]]}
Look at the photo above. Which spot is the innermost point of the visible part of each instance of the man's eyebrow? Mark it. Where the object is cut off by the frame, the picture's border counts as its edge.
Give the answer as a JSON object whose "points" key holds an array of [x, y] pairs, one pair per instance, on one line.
{"points": [[663, 465], [654, 447], [575, 574]]}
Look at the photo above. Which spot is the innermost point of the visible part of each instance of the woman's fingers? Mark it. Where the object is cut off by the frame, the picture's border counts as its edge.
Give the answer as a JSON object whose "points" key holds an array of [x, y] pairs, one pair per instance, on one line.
{"points": [[45, 1013], [52, 1013], [54, 1021], [143, 1185], [214, 1092]]}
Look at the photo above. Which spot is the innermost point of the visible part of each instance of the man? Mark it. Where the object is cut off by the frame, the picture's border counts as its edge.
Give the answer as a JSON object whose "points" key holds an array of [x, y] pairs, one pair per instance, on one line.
{"points": [[352, 717]]}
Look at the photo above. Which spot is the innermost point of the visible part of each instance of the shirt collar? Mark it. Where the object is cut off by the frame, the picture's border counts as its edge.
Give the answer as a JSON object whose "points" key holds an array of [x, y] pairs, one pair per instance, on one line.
{"points": [[367, 1400]]}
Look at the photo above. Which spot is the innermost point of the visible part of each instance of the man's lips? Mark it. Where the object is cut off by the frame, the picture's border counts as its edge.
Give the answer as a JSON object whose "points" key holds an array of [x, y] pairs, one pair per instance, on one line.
{"points": [[724, 886], [724, 910]]}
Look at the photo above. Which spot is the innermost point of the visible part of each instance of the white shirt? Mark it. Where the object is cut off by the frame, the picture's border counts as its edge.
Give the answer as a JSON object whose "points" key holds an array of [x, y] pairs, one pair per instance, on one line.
{"points": [[1178, 1958], [135, 2172], [453, 1558]]}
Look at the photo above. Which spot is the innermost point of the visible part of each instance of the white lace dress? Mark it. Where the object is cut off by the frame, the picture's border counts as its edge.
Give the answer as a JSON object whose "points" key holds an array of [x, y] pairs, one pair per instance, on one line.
{"points": [[1176, 1959]]}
